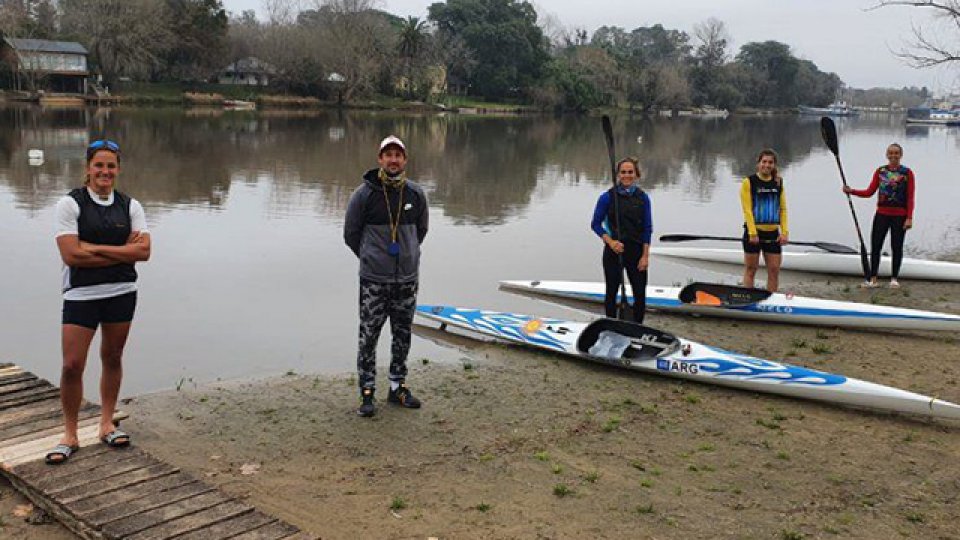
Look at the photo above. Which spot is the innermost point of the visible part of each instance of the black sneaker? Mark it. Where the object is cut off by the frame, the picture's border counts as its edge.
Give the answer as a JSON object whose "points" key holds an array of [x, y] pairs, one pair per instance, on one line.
{"points": [[367, 407], [404, 397]]}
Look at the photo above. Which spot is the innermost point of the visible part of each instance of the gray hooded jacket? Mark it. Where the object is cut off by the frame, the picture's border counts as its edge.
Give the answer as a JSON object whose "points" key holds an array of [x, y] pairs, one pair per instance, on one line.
{"points": [[366, 229]]}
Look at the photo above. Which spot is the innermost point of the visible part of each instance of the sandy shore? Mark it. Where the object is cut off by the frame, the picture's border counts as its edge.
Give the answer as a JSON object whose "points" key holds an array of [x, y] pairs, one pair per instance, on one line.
{"points": [[519, 444]]}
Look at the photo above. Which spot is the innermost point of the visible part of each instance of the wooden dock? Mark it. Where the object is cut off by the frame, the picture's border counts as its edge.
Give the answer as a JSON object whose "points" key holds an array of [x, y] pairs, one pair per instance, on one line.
{"points": [[106, 493]]}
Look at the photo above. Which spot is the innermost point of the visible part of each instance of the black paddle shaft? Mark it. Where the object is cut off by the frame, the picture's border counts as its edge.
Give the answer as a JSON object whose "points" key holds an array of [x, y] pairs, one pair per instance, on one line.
{"points": [[608, 135], [829, 247], [829, 132]]}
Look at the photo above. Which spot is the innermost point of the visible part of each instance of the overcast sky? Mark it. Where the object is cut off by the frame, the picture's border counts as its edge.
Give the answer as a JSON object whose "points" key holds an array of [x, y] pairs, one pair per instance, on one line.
{"points": [[842, 36]]}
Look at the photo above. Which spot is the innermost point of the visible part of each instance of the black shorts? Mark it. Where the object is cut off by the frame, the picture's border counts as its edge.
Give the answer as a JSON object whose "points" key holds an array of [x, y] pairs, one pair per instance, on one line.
{"points": [[92, 313], [768, 243]]}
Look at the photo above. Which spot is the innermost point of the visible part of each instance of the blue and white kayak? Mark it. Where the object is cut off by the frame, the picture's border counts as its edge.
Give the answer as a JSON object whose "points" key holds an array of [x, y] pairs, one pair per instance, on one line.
{"points": [[820, 262], [756, 304], [636, 347]]}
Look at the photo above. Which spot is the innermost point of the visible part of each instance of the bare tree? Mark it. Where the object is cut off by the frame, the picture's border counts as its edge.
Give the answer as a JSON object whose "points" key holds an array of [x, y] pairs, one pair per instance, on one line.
{"points": [[126, 37], [926, 49], [356, 42]]}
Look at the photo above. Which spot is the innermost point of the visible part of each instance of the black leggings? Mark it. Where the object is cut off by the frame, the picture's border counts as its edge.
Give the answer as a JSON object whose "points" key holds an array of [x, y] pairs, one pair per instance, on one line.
{"points": [[613, 274], [882, 224]]}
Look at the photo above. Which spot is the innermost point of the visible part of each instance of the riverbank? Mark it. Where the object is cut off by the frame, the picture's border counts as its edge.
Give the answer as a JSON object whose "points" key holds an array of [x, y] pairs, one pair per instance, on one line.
{"points": [[513, 443], [518, 444]]}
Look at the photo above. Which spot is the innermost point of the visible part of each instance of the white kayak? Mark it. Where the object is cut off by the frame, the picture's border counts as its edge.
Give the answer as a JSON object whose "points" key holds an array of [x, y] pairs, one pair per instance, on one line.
{"points": [[821, 262], [636, 347], [757, 304]]}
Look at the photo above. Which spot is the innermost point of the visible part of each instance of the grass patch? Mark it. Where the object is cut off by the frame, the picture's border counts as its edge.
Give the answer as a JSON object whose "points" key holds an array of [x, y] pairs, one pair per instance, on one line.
{"points": [[783, 455], [611, 424], [398, 503], [790, 534], [647, 483], [798, 343], [706, 447], [542, 456], [769, 424], [821, 348], [638, 465], [486, 457], [915, 517], [557, 468], [648, 408], [644, 509], [562, 490], [692, 399], [483, 507], [592, 477]]}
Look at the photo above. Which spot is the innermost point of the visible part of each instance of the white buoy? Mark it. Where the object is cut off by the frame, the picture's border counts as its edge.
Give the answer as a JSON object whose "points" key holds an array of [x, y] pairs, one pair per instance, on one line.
{"points": [[35, 153], [640, 139]]}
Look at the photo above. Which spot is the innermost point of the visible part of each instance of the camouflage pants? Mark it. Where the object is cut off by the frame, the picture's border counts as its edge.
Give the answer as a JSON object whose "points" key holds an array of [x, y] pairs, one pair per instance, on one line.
{"points": [[398, 301]]}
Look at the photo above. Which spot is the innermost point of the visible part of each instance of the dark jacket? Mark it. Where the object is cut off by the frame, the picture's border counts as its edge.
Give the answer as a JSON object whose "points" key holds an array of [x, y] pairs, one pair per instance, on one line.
{"points": [[366, 229]]}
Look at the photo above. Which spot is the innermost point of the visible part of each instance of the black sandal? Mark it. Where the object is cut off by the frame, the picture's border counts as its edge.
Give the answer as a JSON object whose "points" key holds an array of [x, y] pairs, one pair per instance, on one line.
{"points": [[116, 439], [62, 450]]}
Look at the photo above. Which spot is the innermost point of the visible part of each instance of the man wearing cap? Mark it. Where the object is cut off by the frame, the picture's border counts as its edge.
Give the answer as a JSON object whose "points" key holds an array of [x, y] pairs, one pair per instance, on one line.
{"points": [[386, 222]]}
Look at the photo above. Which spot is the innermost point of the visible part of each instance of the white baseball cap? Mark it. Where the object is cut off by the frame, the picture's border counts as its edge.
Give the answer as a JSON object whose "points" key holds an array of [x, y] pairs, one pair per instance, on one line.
{"points": [[392, 139]]}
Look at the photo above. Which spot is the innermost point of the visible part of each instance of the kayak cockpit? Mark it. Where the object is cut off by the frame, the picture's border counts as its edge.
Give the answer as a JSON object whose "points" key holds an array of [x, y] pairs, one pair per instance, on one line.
{"points": [[716, 294], [611, 339]]}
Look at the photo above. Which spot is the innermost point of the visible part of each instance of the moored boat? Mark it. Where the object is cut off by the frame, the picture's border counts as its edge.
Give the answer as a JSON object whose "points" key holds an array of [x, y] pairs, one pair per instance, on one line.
{"points": [[640, 348], [839, 108], [822, 262], [728, 301]]}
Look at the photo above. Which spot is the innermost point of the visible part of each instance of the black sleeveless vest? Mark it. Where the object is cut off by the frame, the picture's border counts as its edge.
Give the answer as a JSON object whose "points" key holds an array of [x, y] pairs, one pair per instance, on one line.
{"points": [[633, 216], [107, 225]]}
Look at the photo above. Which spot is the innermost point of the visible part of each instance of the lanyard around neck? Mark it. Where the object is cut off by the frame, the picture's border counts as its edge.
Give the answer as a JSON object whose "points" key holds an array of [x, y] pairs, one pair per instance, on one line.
{"points": [[394, 223]]}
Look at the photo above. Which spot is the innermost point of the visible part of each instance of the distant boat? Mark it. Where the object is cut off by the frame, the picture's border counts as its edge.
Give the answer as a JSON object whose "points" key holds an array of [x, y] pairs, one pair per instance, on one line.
{"points": [[240, 105], [928, 116], [839, 108]]}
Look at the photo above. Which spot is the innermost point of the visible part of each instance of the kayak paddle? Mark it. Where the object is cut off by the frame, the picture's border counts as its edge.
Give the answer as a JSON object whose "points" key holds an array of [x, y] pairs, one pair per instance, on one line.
{"points": [[829, 132], [622, 306], [826, 246]]}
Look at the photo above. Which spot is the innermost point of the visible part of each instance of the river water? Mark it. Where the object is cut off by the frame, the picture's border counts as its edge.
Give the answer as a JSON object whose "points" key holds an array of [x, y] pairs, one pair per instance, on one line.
{"points": [[249, 274]]}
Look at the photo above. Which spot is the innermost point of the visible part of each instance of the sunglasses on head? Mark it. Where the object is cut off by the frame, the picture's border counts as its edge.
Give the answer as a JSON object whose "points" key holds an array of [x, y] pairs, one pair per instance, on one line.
{"points": [[103, 144]]}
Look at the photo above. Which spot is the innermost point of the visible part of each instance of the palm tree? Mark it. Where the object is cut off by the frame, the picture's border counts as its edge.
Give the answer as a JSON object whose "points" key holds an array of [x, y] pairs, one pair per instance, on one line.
{"points": [[413, 37]]}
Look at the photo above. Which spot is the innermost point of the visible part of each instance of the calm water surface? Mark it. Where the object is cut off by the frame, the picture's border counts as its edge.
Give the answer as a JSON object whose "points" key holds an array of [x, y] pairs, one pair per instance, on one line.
{"points": [[249, 274]]}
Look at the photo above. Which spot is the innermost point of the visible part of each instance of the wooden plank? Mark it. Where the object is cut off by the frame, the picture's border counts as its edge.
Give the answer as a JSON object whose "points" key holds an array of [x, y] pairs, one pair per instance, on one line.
{"points": [[273, 531], [17, 378], [15, 415], [25, 384], [100, 465], [152, 518], [231, 527], [11, 370], [55, 510], [157, 499], [124, 494], [68, 496], [35, 469], [89, 411], [99, 474], [34, 446], [193, 522], [29, 395]]}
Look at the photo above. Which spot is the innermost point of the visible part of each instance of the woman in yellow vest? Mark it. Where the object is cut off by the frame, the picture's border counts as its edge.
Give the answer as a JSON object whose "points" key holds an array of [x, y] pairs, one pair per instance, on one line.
{"points": [[764, 203]]}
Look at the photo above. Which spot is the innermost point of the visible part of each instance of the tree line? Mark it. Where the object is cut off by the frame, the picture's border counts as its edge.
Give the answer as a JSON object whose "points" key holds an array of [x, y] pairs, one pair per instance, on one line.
{"points": [[500, 50]]}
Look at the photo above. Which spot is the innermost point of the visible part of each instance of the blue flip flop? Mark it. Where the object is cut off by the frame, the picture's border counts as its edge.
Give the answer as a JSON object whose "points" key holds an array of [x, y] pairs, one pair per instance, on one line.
{"points": [[63, 450], [116, 439]]}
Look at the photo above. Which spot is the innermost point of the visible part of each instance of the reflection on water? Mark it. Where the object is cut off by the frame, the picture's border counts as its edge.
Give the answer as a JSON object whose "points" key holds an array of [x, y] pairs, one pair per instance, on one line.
{"points": [[250, 276]]}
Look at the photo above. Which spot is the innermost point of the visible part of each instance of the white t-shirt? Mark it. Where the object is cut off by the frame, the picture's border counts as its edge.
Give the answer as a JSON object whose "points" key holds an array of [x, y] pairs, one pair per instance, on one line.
{"points": [[67, 215]]}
